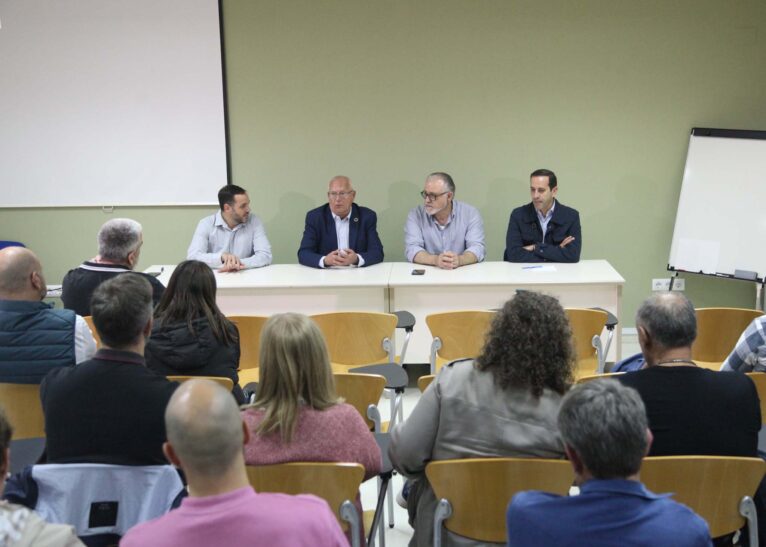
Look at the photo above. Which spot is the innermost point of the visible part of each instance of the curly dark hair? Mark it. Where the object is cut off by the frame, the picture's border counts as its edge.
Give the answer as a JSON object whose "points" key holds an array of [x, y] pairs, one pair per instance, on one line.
{"points": [[529, 345]]}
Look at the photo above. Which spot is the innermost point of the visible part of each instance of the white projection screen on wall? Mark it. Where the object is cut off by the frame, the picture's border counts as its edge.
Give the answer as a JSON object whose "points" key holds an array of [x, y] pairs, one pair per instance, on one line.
{"points": [[111, 102]]}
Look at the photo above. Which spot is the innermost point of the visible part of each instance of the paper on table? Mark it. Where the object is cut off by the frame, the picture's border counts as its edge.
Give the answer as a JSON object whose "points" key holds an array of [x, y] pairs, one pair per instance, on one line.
{"points": [[698, 255], [540, 268]]}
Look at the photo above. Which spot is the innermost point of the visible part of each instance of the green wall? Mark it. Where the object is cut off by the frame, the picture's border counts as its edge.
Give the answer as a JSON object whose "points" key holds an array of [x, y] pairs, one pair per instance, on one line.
{"points": [[602, 92]]}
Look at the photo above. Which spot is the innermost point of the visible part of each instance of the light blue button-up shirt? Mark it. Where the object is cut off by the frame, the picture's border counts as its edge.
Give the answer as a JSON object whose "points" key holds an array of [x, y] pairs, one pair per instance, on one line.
{"points": [[545, 219], [464, 232], [247, 241]]}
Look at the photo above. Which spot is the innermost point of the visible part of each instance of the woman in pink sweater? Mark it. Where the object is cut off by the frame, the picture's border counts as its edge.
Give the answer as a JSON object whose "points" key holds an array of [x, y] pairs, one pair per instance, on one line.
{"points": [[297, 416]]}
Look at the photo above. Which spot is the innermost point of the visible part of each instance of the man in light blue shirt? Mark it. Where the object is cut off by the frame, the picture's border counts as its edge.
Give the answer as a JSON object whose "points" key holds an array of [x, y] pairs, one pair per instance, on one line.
{"points": [[233, 239], [443, 232]]}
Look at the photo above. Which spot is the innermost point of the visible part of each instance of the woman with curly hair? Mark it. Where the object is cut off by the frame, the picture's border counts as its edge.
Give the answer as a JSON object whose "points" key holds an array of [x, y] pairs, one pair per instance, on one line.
{"points": [[504, 403]]}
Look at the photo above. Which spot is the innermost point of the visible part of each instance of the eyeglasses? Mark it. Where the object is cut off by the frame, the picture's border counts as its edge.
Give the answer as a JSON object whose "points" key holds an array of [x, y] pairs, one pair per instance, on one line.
{"points": [[341, 195], [431, 197]]}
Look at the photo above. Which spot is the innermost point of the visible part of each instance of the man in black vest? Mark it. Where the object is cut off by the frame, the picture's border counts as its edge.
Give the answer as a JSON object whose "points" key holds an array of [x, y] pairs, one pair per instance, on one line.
{"points": [[35, 338]]}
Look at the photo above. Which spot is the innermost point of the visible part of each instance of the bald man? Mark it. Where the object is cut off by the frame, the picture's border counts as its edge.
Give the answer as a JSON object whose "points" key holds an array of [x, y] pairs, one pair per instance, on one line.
{"points": [[340, 233], [205, 437], [34, 337]]}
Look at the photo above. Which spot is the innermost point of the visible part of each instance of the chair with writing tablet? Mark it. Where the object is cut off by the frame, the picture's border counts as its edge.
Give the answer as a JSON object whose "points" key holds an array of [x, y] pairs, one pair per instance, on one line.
{"points": [[718, 330], [457, 335], [587, 325]]}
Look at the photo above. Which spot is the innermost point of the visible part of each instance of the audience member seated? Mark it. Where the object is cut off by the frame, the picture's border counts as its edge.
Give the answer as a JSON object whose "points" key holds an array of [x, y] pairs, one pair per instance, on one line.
{"points": [[205, 437], [110, 409], [297, 415], [35, 338], [502, 404], [749, 355], [119, 246], [691, 410], [190, 336], [606, 436], [20, 527]]}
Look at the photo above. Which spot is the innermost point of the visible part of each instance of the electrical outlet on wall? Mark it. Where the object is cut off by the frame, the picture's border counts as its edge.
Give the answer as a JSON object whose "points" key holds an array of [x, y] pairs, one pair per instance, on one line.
{"points": [[663, 284]]}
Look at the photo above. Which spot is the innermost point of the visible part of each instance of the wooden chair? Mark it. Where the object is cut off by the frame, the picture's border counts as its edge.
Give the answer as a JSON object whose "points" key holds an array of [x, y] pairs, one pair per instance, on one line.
{"points": [[717, 488], [589, 377], [474, 493], [250, 327], [457, 335], [363, 392], [337, 483], [357, 338], [24, 410], [96, 337], [587, 325], [759, 379], [224, 382], [425, 381], [718, 330]]}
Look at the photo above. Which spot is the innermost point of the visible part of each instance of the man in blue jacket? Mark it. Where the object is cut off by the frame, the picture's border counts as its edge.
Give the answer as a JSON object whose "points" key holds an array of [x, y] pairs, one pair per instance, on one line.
{"points": [[544, 230], [340, 233]]}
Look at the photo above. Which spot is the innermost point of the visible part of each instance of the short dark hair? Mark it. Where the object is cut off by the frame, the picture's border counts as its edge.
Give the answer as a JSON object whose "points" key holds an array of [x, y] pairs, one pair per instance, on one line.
{"points": [[605, 423], [121, 307], [227, 193], [546, 173], [444, 177], [6, 432], [669, 319]]}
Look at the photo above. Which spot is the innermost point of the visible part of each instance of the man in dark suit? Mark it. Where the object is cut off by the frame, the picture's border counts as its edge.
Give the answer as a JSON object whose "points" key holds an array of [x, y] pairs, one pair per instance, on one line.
{"points": [[111, 408], [544, 230], [340, 233]]}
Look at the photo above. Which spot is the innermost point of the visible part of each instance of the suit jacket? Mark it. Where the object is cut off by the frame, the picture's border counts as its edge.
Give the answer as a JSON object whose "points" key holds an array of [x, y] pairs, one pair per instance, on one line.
{"points": [[320, 237], [110, 409], [524, 229]]}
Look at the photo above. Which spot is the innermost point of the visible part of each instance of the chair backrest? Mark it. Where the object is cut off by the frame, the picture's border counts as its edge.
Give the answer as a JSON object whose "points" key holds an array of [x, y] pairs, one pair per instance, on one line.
{"points": [[587, 323], [479, 490], [589, 377], [460, 335], [224, 382], [80, 494], [336, 483], [24, 410], [718, 330], [96, 337], [250, 327], [358, 338], [711, 486], [425, 381], [759, 379], [361, 391]]}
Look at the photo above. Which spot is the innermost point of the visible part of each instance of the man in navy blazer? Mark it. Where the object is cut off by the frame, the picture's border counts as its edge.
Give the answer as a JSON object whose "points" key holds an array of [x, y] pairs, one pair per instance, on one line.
{"points": [[544, 230], [340, 233]]}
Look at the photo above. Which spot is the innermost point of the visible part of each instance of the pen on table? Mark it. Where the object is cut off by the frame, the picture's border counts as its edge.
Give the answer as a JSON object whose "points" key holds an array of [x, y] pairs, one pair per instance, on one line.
{"points": [[530, 267]]}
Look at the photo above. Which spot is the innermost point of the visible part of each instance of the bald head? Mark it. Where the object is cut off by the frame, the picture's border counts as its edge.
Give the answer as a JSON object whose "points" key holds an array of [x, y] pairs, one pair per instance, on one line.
{"points": [[204, 427], [21, 275], [669, 319]]}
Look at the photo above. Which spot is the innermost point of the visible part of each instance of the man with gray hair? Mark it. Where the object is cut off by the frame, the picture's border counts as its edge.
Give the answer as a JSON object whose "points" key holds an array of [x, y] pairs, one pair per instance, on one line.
{"points": [[110, 409], [443, 232], [606, 435], [205, 439], [119, 247], [35, 338]]}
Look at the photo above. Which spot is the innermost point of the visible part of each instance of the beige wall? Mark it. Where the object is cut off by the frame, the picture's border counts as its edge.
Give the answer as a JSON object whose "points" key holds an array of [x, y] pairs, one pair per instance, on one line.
{"points": [[602, 92]]}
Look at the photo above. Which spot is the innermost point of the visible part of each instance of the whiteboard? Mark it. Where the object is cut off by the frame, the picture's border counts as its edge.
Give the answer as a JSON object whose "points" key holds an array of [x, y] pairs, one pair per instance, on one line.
{"points": [[111, 102], [721, 220]]}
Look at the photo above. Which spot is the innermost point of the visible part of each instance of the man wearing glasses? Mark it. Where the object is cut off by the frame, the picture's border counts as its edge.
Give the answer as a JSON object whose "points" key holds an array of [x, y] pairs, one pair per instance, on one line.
{"points": [[341, 233], [443, 232]]}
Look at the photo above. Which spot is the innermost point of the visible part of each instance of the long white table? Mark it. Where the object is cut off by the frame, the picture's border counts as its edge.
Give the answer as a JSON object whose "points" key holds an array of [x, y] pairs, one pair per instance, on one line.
{"points": [[390, 286]]}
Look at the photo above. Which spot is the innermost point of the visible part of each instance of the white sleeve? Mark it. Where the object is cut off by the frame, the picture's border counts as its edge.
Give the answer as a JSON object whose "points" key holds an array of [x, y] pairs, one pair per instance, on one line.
{"points": [[84, 343]]}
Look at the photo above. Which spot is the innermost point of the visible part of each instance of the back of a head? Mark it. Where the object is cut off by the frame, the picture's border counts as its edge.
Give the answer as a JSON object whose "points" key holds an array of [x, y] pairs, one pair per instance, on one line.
{"points": [[227, 193], [552, 181], [669, 318], [16, 266], [204, 427], [529, 345], [294, 369], [605, 423], [118, 237], [445, 178], [121, 307], [6, 432]]}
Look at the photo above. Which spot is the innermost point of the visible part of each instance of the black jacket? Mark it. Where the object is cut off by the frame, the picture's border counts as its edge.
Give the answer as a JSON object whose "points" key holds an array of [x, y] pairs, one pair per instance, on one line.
{"points": [[175, 350], [524, 229]]}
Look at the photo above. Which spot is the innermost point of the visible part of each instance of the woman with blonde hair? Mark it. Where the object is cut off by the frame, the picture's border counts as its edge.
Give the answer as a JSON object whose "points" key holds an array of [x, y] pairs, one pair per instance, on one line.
{"points": [[297, 415]]}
